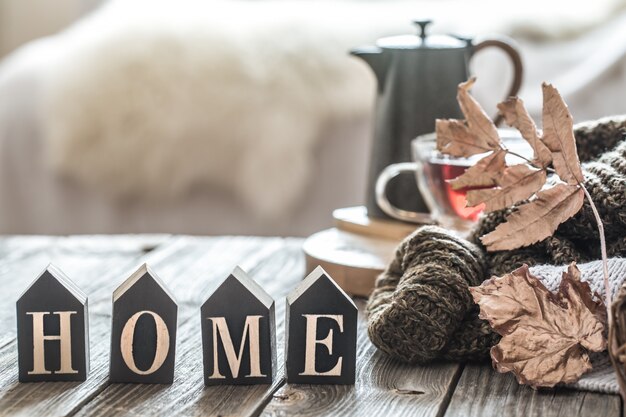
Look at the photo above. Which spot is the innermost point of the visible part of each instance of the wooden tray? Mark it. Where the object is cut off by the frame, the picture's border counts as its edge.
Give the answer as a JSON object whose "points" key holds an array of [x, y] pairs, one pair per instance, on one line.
{"points": [[355, 220], [353, 260]]}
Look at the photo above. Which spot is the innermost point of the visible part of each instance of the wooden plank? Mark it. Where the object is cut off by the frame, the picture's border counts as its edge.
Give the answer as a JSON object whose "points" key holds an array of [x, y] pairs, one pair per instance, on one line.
{"points": [[94, 264], [18, 256], [277, 266], [481, 391], [15, 248], [99, 271], [88, 261], [383, 387], [192, 267], [54, 398]]}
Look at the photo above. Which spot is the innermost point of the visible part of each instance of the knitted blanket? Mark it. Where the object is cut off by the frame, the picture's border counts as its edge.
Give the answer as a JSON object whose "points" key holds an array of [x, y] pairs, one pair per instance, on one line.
{"points": [[602, 377], [421, 309]]}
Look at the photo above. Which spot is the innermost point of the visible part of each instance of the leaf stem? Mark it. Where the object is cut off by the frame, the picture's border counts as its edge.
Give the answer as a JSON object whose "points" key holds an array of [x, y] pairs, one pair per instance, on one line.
{"points": [[530, 162], [605, 265], [518, 155]]}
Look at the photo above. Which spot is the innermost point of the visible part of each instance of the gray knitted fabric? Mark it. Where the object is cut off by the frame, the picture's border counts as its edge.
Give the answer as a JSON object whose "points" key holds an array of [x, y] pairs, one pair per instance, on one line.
{"points": [[591, 272], [601, 378]]}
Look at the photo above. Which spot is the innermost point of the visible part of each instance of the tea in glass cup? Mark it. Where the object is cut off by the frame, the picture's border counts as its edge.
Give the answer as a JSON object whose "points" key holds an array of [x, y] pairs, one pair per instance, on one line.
{"points": [[433, 171]]}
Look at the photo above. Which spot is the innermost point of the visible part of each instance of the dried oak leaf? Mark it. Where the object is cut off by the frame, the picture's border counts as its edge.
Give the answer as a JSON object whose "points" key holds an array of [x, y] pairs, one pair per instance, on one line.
{"points": [[536, 220], [516, 115], [545, 336], [558, 136], [476, 135]]}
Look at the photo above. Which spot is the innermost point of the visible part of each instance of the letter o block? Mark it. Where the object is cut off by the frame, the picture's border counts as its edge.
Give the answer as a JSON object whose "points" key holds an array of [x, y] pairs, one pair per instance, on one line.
{"points": [[320, 333], [143, 337]]}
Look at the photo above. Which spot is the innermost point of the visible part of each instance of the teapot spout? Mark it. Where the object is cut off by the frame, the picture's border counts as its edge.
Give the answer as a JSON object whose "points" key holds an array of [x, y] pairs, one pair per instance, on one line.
{"points": [[376, 59]]}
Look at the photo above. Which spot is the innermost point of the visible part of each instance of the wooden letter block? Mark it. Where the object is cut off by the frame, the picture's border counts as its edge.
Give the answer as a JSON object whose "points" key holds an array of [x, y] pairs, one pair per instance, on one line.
{"points": [[143, 337], [52, 330], [238, 333], [320, 333]]}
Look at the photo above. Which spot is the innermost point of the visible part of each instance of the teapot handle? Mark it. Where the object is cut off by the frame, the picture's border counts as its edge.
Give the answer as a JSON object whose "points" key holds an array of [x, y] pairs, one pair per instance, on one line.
{"points": [[508, 46]]}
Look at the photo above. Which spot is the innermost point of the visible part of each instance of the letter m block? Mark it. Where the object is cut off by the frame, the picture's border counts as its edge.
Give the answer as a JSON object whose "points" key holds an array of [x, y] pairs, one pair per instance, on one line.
{"points": [[238, 333]]}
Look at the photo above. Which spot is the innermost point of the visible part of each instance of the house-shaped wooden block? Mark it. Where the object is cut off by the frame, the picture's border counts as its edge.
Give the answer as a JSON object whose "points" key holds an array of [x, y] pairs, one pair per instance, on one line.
{"points": [[320, 332], [143, 334], [238, 333], [52, 330]]}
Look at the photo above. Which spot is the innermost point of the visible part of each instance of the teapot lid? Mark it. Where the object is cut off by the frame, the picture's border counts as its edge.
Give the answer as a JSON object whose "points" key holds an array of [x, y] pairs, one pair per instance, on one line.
{"points": [[421, 41]]}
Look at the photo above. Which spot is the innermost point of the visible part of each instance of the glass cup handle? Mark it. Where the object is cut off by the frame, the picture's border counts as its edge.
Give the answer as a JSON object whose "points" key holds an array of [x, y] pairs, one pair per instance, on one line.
{"points": [[389, 173]]}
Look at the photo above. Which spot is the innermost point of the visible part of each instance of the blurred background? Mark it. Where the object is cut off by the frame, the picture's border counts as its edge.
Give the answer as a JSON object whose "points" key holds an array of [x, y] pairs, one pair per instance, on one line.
{"points": [[243, 117]]}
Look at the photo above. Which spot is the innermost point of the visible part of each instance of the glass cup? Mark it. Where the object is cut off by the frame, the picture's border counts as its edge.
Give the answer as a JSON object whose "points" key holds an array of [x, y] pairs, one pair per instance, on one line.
{"points": [[433, 170]]}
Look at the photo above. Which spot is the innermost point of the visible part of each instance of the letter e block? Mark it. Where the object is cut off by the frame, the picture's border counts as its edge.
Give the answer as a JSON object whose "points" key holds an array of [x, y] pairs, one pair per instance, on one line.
{"points": [[143, 336], [320, 332], [238, 333], [52, 330]]}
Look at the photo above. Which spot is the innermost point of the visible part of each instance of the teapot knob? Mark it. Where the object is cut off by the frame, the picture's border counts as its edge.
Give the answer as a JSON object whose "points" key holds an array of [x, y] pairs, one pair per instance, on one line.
{"points": [[422, 23]]}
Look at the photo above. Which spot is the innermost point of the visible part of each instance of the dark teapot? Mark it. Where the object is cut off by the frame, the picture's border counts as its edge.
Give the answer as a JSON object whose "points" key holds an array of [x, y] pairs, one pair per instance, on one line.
{"points": [[417, 82]]}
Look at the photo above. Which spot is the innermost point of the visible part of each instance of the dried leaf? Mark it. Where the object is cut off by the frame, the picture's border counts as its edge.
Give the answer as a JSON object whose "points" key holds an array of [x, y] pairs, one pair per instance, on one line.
{"points": [[485, 173], [517, 183], [536, 220], [558, 136], [477, 135], [545, 336], [479, 123], [454, 138], [516, 115], [499, 186], [592, 303]]}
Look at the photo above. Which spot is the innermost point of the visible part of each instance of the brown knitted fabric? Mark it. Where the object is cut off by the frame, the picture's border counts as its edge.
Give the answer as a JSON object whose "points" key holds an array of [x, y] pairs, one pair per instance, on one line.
{"points": [[421, 309], [423, 298]]}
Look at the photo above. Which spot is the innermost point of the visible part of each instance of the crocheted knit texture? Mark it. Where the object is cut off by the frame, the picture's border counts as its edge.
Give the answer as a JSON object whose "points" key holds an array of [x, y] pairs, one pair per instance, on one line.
{"points": [[421, 309]]}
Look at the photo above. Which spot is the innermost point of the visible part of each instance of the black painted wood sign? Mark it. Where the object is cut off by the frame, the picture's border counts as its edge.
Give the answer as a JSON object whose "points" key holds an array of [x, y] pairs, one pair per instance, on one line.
{"points": [[143, 336], [52, 330], [238, 333], [320, 334]]}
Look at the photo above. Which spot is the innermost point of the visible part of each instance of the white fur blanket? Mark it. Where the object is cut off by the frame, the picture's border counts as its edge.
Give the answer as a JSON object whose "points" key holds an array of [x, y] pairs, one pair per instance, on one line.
{"points": [[154, 97]]}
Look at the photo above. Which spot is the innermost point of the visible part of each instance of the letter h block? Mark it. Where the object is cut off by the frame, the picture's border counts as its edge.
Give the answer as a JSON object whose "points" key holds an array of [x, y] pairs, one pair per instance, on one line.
{"points": [[143, 335], [52, 330], [238, 333], [320, 332]]}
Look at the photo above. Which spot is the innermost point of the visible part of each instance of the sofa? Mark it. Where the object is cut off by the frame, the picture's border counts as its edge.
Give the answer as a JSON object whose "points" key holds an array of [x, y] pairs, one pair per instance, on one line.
{"points": [[240, 117]]}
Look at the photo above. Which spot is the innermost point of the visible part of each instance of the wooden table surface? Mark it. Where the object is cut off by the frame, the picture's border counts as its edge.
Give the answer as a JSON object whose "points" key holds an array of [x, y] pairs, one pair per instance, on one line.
{"points": [[191, 266]]}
